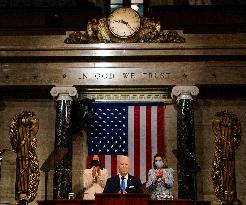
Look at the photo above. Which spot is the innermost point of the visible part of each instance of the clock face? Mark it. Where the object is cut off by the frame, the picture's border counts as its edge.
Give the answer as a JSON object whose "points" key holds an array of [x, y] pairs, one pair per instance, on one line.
{"points": [[124, 22]]}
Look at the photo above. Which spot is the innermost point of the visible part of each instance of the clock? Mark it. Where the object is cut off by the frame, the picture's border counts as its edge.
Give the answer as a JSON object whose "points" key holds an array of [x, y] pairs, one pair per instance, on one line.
{"points": [[124, 24]]}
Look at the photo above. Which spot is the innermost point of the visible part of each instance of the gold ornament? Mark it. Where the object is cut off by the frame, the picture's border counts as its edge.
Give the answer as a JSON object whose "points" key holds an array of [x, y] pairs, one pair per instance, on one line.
{"points": [[22, 128]]}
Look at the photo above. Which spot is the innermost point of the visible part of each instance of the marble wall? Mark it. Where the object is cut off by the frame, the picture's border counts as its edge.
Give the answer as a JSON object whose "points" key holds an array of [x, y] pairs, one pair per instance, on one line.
{"points": [[204, 111]]}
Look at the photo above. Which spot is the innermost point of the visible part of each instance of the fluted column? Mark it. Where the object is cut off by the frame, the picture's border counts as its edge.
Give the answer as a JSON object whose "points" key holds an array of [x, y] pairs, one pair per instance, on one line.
{"points": [[186, 158], [62, 181]]}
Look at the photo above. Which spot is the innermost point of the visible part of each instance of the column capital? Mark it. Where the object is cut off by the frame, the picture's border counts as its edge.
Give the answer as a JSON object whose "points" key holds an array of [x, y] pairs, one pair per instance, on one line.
{"points": [[64, 92], [184, 92]]}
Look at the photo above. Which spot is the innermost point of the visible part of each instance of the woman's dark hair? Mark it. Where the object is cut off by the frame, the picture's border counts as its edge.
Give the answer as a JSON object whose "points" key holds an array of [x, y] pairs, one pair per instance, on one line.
{"points": [[164, 160], [95, 163]]}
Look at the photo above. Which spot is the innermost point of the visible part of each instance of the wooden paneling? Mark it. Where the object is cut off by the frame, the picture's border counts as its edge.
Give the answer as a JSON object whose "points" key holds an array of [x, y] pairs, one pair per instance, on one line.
{"points": [[122, 199]]}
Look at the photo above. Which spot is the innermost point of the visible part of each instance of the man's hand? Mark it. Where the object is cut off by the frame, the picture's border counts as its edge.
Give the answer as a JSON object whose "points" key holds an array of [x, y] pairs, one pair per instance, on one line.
{"points": [[122, 192]]}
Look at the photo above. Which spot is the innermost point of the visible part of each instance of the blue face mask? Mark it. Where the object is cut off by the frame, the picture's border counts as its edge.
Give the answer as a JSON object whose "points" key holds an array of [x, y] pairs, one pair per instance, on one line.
{"points": [[159, 164]]}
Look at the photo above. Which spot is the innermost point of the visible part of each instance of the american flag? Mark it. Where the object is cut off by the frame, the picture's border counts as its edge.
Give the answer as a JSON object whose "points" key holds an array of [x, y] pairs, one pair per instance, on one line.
{"points": [[133, 129]]}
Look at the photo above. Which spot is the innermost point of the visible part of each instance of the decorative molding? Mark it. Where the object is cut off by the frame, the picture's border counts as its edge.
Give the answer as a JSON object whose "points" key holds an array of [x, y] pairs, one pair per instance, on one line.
{"points": [[184, 92], [149, 32], [143, 95], [63, 93], [137, 73]]}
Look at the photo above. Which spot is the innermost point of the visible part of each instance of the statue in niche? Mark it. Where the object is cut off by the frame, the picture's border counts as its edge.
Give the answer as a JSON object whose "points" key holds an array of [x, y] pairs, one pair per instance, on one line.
{"points": [[22, 129], [227, 132]]}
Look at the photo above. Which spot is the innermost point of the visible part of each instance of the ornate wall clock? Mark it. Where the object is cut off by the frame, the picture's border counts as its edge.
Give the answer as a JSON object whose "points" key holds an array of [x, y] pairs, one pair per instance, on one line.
{"points": [[124, 24]]}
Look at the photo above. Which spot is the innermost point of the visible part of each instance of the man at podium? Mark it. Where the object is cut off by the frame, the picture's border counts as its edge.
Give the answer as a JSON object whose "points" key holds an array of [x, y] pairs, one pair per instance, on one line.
{"points": [[123, 183]]}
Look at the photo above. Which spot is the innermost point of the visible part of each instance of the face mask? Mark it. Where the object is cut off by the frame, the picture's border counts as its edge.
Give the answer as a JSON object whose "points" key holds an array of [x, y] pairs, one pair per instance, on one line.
{"points": [[94, 163], [23, 202], [159, 164]]}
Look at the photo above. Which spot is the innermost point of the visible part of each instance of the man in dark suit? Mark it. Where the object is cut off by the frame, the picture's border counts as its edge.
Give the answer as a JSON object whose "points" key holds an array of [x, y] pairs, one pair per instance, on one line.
{"points": [[123, 183]]}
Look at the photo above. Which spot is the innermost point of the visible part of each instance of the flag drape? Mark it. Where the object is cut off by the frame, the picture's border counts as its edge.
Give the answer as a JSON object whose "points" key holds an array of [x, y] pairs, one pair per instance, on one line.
{"points": [[133, 129]]}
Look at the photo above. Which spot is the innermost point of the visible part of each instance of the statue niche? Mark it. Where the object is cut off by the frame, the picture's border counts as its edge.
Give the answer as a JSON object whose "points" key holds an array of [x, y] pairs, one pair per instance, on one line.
{"points": [[22, 129]]}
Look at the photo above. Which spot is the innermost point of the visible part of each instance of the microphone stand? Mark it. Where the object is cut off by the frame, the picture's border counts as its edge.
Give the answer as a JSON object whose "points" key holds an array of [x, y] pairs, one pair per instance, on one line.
{"points": [[51, 163]]}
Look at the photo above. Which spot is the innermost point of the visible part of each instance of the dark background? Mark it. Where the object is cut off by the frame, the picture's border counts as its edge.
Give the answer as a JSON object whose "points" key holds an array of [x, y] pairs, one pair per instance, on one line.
{"points": [[18, 17]]}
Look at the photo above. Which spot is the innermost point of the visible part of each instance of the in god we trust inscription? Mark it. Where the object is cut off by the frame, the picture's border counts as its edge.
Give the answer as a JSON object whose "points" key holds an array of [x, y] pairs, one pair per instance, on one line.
{"points": [[76, 75], [125, 75]]}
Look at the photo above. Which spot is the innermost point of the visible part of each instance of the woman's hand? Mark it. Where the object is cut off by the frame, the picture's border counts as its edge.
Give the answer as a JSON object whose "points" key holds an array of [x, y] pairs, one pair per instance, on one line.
{"points": [[159, 172], [95, 173], [164, 174], [158, 175]]}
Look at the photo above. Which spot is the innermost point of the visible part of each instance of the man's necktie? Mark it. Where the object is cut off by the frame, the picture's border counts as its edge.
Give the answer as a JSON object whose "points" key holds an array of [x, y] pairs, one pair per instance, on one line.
{"points": [[123, 184]]}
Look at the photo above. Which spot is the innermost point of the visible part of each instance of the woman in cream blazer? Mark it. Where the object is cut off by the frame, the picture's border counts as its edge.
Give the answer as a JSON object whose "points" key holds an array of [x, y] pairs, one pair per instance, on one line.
{"points": [[94, 179]]}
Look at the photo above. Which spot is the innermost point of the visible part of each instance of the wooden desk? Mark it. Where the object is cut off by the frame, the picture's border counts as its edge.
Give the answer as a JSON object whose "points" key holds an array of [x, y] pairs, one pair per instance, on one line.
{"points": [[121, 199], [171, 202], [93, 202], [67, 202]]}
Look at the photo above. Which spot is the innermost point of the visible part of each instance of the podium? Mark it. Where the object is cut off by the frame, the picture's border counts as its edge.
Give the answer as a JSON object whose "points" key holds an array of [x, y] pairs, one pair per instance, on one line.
{"points": [[121, 199], [128, 199], [172, 202]]}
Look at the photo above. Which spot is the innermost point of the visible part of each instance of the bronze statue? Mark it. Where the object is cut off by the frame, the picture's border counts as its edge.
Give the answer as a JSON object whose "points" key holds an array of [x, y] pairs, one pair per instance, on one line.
{"points": [[227, 132], [22, 129]]}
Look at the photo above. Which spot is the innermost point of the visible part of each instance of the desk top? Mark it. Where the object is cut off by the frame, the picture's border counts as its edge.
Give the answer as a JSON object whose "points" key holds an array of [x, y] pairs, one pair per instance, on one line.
{"points": [[93, 202]]}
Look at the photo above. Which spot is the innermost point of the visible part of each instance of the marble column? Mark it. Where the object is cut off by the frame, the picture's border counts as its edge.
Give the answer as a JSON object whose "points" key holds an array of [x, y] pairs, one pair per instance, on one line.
{"points": [[186, 157], [62, 180]]}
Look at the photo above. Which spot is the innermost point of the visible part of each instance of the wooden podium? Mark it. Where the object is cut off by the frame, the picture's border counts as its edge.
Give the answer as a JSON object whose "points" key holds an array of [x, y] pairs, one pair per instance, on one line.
{"points": [[121, 199], [118, 199]]}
